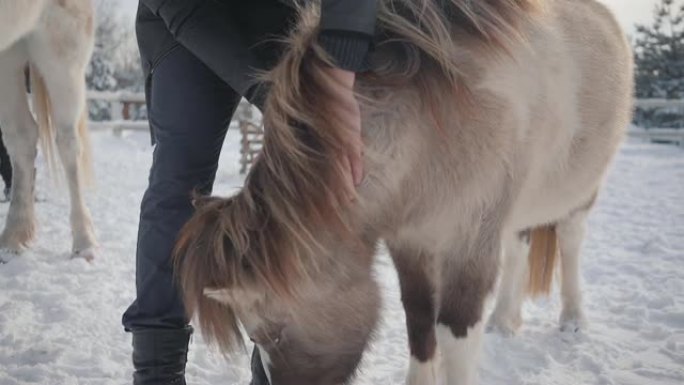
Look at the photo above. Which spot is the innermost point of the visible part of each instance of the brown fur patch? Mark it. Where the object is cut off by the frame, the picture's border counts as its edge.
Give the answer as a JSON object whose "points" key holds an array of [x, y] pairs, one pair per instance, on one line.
{"points": [[467, 280], [418, 297], [463, 297]]}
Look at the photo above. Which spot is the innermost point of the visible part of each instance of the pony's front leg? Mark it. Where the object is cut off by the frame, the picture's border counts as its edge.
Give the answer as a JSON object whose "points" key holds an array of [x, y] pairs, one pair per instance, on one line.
{"points": [[418, 296], [468, 276], [20, 133]]}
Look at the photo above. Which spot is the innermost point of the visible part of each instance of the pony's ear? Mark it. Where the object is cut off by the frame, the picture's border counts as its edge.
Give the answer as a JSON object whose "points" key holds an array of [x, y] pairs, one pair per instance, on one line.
{"points": [[216, 294]]}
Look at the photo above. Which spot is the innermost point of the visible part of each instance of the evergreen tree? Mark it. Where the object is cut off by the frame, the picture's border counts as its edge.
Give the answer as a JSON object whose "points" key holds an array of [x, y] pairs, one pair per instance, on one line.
{"points": [[115, 64], [659, 53]]}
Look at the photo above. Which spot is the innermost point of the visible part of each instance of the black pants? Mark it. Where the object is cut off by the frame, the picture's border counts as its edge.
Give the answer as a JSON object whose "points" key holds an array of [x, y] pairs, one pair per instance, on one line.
{"points": [[189, 111], [5, 164]]}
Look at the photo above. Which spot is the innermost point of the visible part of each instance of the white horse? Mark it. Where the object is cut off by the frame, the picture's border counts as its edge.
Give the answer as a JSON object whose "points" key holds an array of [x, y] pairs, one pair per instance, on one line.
{"points": [[55, 38]]}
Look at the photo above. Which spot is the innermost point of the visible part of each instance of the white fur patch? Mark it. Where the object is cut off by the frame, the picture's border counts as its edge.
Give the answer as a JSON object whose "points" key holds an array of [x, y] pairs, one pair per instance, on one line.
{"points": [[423, 373], [460, 355]]}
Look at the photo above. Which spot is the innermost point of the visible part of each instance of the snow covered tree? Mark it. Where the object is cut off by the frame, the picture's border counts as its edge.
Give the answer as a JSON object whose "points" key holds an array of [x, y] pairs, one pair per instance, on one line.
{"points": [[659, 56], [115, 63], [659, 53]]}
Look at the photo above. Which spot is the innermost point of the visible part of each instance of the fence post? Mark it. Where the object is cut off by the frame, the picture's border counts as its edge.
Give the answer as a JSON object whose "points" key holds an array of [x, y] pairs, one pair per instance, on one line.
{"points": [[244, 118], [251, 136]]}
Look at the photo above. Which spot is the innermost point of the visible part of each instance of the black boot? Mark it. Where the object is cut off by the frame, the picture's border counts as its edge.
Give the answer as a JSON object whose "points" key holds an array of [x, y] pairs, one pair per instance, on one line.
{"points": [[159, 356], [258, 373]]}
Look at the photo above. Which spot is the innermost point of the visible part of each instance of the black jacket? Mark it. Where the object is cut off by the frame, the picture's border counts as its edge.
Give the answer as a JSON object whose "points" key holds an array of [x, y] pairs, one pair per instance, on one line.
{"points": [[235, 37]]}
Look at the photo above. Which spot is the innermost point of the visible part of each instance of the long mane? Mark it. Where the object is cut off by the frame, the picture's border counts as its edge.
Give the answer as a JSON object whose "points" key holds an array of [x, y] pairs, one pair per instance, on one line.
{"points": [[296, 189]]}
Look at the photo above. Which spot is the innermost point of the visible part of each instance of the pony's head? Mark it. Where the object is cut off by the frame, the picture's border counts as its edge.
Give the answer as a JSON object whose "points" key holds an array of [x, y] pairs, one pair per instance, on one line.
{"points": [[311, 322]]}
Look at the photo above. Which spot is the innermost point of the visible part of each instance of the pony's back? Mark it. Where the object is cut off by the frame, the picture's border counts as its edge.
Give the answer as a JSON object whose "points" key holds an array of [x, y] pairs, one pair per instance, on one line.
{"points": [[576, 88]]}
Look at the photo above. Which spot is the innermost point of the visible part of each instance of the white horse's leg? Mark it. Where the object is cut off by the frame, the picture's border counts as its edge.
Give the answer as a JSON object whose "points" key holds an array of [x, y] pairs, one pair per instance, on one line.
{"points": [[506, 318], [570, 235], [67, 95], [20, 133]]}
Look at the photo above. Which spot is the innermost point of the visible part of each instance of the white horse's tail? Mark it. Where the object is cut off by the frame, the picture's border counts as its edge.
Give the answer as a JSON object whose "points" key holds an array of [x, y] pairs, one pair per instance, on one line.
{"points": [[542, 258], [43, 110], [42, 107]]}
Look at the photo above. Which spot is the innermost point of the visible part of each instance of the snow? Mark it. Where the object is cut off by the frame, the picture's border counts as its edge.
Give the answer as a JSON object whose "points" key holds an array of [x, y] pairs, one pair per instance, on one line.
{"points": [[60, 318]]}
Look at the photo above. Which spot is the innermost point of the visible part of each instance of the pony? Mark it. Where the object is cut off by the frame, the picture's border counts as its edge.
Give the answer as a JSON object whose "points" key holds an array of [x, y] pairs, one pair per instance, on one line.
{"points": [[55, 39], [483, 122]]}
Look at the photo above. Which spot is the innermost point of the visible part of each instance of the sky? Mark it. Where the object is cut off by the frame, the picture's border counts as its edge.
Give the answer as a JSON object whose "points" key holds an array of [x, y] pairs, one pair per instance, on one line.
{"points": [[628, 12]]}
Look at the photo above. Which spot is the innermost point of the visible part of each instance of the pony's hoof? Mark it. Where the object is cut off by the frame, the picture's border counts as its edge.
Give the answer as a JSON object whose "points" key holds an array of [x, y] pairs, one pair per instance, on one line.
{"points": [[7, 255], [504, 329], [572, 322], [88, 254]]}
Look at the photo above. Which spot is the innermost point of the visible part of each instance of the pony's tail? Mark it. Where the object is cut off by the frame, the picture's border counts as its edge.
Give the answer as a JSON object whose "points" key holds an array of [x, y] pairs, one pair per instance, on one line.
{"points": [[42, 107], [542, 260]]}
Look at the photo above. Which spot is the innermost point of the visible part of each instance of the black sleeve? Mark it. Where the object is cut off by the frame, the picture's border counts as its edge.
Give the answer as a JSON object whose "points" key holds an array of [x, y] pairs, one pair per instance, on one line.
{"points": [[356, 16], [347, 29]]}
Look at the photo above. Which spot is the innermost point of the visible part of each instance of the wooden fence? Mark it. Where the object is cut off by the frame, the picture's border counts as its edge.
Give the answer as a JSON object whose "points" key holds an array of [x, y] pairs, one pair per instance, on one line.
{"points": [[248, 121], [252, 132], [121, 104]]}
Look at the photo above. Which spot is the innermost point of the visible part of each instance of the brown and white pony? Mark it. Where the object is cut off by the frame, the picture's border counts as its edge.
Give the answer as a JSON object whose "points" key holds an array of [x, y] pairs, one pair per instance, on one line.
{"points": [[482, 120], [55, 38]]}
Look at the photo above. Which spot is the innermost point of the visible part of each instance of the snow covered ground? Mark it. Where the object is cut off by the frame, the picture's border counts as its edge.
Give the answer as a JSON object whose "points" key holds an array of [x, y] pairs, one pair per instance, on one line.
{"points": [[60, 318]]}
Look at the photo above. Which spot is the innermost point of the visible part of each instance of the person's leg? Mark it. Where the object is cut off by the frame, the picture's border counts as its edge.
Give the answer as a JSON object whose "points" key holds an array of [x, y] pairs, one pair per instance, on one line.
{"points": [[189, 112]]}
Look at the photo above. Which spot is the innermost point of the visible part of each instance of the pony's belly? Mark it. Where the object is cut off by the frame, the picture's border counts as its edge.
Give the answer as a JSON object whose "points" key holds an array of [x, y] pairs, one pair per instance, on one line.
{"points": [[548, 205]]}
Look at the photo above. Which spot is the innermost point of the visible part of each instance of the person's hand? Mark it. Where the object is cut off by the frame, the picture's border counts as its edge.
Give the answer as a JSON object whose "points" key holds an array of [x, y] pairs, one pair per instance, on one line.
{"points": [[346, 107]]}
